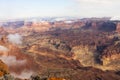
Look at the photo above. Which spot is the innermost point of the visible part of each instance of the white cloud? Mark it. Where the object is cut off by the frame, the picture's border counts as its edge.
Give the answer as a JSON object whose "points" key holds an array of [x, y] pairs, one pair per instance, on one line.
{"points": [[98, 1], [115, 18], [23, 75], [3, 48], [15, 38], [12, 61], [97, 8]]}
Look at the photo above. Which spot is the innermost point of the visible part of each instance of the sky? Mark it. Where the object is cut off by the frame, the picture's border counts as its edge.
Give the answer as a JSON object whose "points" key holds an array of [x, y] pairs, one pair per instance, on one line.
{"points": [[56, 8]]}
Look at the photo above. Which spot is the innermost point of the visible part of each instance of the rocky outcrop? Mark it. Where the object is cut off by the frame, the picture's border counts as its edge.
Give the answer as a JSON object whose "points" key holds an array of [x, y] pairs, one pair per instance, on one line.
{"points": [[111, 55], [111, 50], [100, 26], [80, 73], [53, 44], [3, 69], [85, 54], [7, 77], [4, 72]]}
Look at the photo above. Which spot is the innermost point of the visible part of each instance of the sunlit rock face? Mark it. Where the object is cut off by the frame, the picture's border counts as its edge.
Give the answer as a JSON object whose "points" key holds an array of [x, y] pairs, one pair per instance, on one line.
{"points": [[3, 69], [4, 72], [111, 55], [85, 54]]}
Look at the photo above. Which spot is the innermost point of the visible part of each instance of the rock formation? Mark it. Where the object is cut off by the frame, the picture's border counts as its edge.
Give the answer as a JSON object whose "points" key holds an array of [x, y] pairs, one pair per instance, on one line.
{"points": [[61, 45], [111, 55], [118, 27]]}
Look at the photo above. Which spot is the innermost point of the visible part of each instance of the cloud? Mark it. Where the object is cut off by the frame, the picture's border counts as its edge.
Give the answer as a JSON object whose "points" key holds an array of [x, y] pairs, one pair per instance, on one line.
{"points": [[115, 18], [97, 8], [12, 61], [23, 75], [15, 38], [95, 1], [3, 48], [98, 1]]}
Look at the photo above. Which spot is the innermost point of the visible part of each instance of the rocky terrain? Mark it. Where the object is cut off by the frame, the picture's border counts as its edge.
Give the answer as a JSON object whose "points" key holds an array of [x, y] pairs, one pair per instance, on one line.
{"points": [[82, 49], [100, 24], [4, 72], [80, 73]]}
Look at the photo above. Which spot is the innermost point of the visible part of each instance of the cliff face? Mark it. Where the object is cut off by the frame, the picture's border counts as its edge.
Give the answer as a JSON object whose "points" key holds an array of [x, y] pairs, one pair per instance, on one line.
{"points": [[3, 69], [111, 55], [85, 54], [42, 26], [4, 72], [101, 26]]}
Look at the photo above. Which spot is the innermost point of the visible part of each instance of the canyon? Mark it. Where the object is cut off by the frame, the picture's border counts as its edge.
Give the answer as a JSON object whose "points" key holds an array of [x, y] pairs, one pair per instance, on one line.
{"points": [[79, 49]]}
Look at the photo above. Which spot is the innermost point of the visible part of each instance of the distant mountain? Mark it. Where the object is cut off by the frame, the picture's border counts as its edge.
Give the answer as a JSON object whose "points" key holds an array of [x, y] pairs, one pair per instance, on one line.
{"points": [[55, 23]]}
